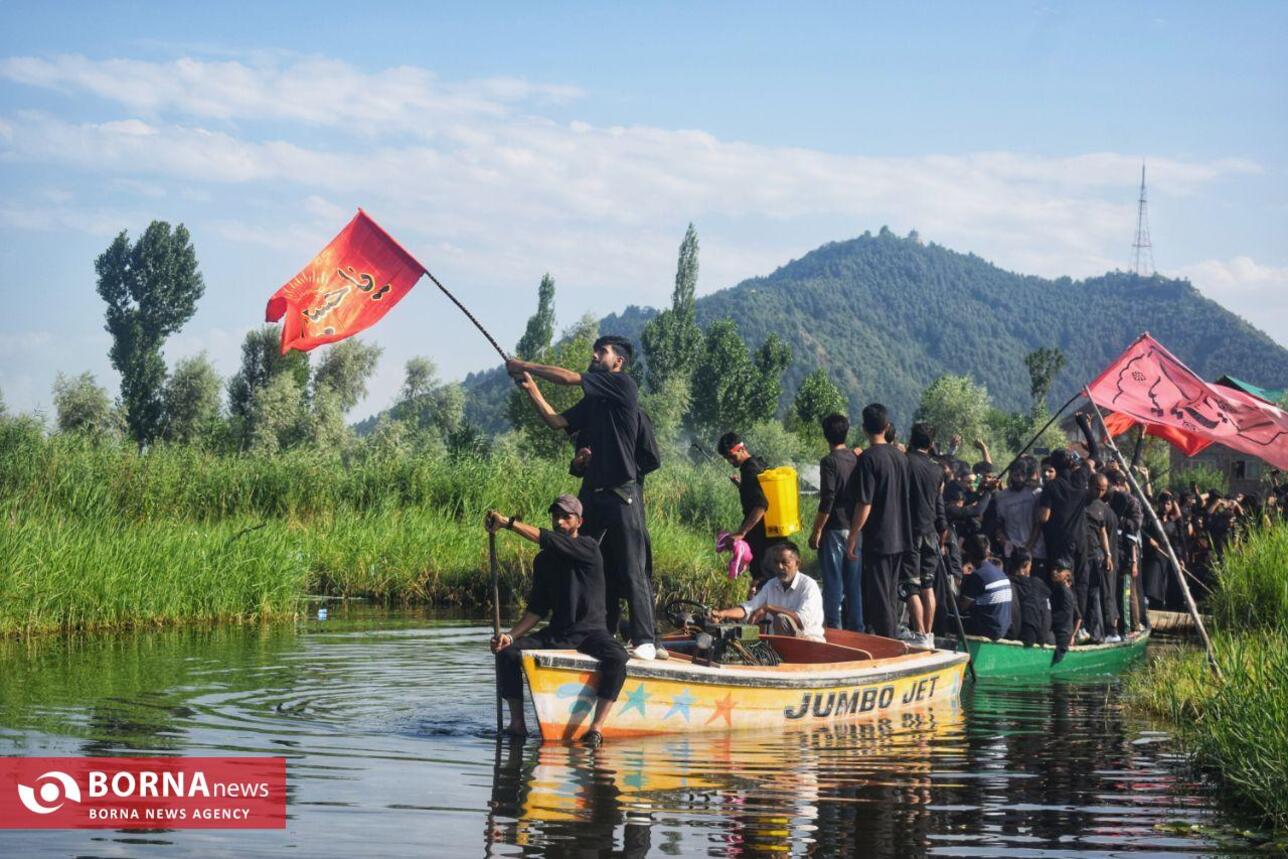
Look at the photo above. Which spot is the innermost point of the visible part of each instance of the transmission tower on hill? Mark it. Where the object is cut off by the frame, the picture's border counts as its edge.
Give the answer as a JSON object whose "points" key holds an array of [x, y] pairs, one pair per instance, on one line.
{"points": [[1143, 247]]}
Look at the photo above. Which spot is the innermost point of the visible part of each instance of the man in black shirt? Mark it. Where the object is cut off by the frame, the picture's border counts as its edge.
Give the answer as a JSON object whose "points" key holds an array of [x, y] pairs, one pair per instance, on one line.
{"points": [[751, 497], [841, 589], [1130, 519], [1102, 525], [567, 584], [929, 523], [607, 422], [1062, 508], [879, 491]]}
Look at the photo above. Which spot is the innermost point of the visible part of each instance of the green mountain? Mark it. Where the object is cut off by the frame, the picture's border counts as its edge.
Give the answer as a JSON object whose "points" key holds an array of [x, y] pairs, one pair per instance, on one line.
{"points": [[886, 315]]}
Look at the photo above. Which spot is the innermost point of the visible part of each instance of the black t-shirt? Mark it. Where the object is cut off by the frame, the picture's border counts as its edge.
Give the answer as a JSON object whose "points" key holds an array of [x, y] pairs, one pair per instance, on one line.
{"points": [[925, 495], [1033, 598], [1065, 531], [834, 472], [568, 583], [607, 419], [881, 479], [751, 496], [1064, 613], [1097, 514]]}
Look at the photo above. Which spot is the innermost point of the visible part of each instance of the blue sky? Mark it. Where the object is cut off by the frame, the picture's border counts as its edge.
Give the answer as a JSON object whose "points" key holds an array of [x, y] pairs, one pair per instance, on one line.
{"points": [[501, 141]]}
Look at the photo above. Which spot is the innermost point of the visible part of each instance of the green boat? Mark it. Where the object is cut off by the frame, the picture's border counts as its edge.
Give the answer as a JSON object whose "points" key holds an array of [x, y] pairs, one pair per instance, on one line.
{"points": [[1012, 660]]}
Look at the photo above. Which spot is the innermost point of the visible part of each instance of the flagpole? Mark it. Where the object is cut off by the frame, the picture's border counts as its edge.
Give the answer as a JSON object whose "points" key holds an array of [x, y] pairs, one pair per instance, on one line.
{"points": [[1158, 525], [470, 316], [1036, 436]]}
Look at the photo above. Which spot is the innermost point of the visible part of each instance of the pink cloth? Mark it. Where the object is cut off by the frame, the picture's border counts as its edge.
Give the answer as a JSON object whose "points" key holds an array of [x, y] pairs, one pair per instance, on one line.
{"points": [[739, 553]]}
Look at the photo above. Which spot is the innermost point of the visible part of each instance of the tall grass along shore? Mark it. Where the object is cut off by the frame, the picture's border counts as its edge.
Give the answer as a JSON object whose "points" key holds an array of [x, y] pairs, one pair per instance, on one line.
{"points": [[1237, 728], [98, 535]]}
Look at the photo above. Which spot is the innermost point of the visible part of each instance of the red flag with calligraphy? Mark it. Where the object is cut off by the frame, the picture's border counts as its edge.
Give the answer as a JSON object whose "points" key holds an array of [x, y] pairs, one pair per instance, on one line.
{"points": [[354, 282], [1148, 385]]}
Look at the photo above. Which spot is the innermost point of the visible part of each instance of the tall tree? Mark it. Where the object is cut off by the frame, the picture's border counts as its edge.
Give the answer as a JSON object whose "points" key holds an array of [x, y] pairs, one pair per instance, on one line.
{"points": [[261, 361], [425, 404], [815, 399], [279, 415], [191, 400], [81, 405], [771, 361], [541, 325], [1044, 364], [151, 288], [344, 370], [723, 381], [956, 405], [672, 339]]}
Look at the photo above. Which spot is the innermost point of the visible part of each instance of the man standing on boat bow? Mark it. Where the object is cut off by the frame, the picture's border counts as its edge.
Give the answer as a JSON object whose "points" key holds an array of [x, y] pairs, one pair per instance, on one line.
{"points": [[567, 584], [607, 422]]}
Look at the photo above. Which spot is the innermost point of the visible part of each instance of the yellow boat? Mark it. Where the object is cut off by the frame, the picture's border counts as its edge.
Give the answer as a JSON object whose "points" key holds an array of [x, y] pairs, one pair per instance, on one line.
{"points": [[850, 676]]}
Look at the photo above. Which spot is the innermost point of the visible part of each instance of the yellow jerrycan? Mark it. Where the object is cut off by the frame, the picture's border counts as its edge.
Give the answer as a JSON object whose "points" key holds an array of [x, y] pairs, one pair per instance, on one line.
{"points": [[783, 518]]}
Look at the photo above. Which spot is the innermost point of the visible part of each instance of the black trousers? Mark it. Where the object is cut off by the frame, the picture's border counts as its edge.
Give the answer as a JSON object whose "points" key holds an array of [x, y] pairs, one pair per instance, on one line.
{"points": [[619, 515], [880, 584], [599, 644]]}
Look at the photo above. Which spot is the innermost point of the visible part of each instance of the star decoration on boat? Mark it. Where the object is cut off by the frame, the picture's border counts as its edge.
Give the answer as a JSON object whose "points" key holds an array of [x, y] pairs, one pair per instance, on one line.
{"points": [[724, 708], [636, 699], [680, 704]]}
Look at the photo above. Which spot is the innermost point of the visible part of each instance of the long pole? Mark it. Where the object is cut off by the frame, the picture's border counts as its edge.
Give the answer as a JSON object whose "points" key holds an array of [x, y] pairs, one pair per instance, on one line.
{"points": [[957, 618], [1158, 525], [1037, 435], [496, 615], [470, 316]]}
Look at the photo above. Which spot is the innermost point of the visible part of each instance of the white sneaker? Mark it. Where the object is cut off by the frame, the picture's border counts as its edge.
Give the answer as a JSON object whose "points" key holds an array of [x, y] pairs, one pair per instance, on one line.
{"points": [[928, 641], [1113, 639], [905, 634], [645, 651], [662, 653]]}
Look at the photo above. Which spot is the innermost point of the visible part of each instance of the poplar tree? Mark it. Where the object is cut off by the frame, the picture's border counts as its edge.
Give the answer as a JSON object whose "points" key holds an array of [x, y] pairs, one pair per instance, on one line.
{"points": [[541, 325], [151, 288], [672, 339]]}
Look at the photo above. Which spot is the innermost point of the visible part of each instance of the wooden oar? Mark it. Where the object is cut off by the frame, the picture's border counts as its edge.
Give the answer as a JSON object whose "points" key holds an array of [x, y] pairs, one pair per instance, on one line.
{"points": [[496, 616]]}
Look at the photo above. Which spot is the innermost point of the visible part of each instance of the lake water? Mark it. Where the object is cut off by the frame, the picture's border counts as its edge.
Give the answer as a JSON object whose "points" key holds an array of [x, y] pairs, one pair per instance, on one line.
{"points": [[386, 721]]}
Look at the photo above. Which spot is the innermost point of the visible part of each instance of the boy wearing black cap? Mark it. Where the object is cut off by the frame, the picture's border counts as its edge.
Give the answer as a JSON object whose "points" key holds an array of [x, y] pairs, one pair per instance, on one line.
{"points": [[568, 584]]}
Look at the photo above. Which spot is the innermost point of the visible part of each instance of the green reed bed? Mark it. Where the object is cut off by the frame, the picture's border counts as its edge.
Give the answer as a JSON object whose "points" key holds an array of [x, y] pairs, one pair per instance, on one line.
{"points": [[1237, 727], [99, 535]]}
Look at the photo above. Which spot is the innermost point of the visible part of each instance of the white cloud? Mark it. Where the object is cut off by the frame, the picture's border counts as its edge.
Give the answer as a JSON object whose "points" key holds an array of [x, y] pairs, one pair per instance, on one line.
{"points": [[550, 183], [1257, 292], [313, 91], [490, 193]]}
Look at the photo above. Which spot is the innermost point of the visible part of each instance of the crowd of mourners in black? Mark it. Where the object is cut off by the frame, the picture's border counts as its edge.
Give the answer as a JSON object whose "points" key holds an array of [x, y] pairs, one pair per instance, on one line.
{"points": [[1057, 551]]}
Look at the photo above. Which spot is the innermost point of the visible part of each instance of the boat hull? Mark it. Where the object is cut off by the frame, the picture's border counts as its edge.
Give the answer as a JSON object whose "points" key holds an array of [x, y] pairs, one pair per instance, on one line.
{"points": [[1011, 659], [679, 696]]}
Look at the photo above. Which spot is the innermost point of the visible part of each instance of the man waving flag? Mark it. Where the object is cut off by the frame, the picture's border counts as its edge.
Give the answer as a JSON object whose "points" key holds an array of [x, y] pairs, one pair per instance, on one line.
{"points": [[349, 286]]}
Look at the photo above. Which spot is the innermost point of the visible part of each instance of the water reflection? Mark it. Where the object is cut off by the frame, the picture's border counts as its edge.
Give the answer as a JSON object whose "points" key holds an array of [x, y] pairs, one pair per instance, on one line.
{"points": [[386, 725]]}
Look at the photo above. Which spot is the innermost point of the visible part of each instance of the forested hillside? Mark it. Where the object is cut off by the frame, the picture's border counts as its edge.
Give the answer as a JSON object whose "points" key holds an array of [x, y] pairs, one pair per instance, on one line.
{"points": [[886, 315]]}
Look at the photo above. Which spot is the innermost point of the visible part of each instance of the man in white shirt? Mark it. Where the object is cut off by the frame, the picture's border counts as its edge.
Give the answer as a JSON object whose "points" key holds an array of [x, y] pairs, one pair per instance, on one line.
{"points": [[791, 601]]}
